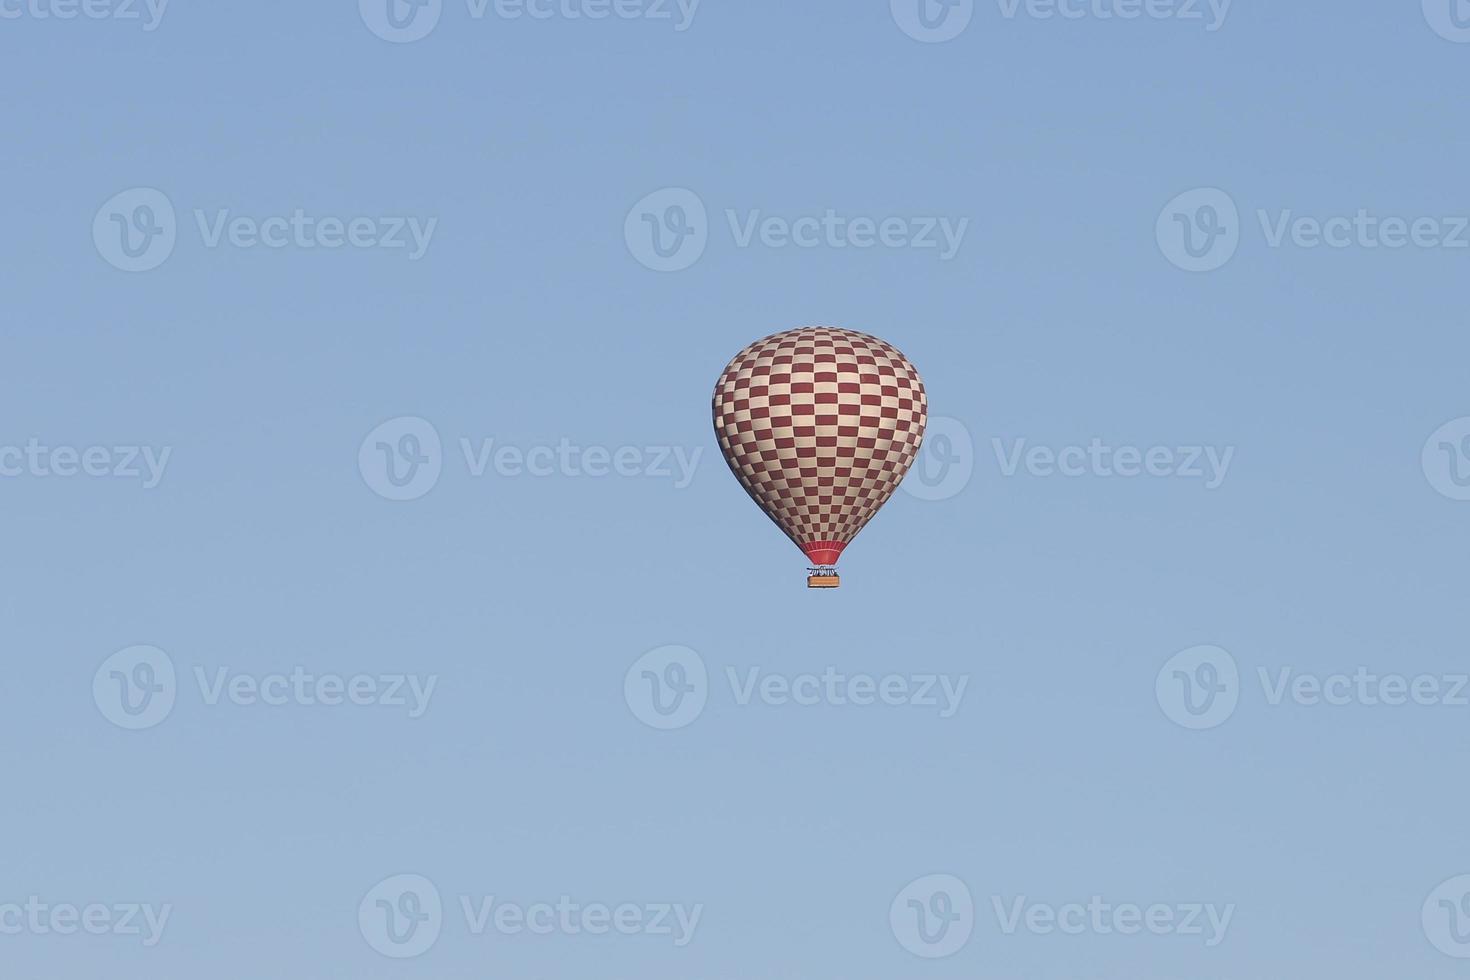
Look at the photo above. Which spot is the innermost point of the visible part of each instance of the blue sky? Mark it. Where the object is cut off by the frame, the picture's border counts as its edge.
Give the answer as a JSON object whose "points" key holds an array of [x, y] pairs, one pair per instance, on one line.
{"points": [[1152, 668]]}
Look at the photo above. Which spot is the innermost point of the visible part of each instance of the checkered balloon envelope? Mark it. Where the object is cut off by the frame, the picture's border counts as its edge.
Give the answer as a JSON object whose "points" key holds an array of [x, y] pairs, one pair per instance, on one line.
{"points": [[819, 425]]}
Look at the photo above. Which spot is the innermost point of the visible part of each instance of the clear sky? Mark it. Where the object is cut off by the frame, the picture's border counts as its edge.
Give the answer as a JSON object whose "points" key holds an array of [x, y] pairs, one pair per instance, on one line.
{"points": [[356, 366]]}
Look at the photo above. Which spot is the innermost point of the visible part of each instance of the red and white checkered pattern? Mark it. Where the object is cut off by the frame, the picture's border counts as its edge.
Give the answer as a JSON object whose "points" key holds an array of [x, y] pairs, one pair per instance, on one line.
{"points": [[820, 424]]}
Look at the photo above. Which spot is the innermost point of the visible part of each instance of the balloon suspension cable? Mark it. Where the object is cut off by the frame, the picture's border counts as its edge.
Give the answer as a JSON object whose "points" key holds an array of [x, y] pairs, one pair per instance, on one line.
{"points": [[822, 577]]}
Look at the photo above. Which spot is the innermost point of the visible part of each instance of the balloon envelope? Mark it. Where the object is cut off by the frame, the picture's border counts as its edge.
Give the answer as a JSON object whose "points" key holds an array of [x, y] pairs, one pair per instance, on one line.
{"points": [[819, 425]]}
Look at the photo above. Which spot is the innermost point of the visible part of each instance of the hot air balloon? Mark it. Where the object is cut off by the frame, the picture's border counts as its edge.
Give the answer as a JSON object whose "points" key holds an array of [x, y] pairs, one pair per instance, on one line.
{"points": [[819, 425]]}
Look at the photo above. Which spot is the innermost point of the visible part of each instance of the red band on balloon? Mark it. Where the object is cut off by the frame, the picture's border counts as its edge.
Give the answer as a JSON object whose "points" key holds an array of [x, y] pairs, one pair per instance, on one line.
{"points": [[823, 552]]}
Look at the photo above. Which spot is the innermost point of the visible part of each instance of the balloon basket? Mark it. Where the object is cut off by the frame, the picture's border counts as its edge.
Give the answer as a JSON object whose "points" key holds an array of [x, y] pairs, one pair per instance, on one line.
{"points": [[822, 578]]}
